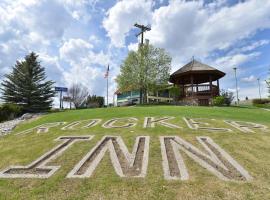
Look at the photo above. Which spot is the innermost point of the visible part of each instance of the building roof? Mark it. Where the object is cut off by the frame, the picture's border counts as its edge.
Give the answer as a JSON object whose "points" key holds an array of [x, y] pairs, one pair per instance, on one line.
{"points": [[200, 72]]}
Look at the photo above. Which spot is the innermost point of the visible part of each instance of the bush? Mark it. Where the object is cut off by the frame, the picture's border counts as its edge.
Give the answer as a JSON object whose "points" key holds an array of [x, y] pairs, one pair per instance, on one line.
{"points": [[260, 101], [10, 111], [93, 102], [228, 97], [219, 101]]}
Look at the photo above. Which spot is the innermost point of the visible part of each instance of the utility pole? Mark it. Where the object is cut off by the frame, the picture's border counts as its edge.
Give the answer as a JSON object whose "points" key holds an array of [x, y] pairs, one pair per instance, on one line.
{"points": [[258, 79], [143, 29], [236, 85]]}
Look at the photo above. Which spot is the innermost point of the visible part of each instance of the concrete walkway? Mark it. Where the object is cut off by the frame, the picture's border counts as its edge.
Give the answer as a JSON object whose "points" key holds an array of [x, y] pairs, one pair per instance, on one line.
{"points": [[266, 109]]}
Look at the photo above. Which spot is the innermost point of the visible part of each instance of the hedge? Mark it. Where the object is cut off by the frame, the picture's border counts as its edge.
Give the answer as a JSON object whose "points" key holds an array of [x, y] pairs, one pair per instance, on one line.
{"points": [[260, 101], [10, 111]]}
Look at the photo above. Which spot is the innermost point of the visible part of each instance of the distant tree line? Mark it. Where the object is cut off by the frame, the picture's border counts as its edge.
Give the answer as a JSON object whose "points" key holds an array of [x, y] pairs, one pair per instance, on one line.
{"points": [[78, 95]]}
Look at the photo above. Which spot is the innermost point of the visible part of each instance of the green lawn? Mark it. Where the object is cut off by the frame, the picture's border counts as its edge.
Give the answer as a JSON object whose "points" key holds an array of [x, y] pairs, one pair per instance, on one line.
{"points": [[251, 150]]}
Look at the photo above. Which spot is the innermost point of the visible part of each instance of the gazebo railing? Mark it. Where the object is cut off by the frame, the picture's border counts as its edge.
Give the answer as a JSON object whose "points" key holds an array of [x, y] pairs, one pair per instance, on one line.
{"points": [[201, 90]]}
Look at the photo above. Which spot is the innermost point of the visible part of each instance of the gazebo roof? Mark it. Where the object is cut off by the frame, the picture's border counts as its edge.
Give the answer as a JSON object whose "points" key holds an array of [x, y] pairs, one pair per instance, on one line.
{"points": [[201, 73]]}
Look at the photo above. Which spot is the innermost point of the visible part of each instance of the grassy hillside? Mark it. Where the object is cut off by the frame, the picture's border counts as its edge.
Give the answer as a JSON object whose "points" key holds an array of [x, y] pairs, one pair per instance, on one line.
{"points": [[251, 150]]}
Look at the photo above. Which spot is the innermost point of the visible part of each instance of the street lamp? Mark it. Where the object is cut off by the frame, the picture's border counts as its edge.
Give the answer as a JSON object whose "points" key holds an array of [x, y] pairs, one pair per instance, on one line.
{"points": [[268, 83], [236, 85], [258, 79]]}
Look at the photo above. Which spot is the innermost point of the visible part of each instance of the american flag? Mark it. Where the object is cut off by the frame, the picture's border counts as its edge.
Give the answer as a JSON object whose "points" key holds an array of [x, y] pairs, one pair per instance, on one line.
{"points": [[107, 72]]}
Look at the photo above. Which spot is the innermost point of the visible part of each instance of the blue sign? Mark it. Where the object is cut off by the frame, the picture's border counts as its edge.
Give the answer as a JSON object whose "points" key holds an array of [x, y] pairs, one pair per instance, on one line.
{"points": [[61, 89]]}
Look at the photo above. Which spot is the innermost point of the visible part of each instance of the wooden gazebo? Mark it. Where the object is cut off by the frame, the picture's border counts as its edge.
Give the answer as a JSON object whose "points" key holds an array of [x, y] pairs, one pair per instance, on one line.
{"points": [[195, 81]]}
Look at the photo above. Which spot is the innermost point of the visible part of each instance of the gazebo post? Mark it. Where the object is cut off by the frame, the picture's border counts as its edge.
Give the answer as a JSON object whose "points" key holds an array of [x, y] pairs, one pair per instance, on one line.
{"points": [[211, 87], [218, 86], [191, 80], [183, 90]]}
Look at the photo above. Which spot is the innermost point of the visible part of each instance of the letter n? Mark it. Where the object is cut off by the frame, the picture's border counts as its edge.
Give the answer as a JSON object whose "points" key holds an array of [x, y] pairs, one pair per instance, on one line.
{"points": [[216, 160], [125, 164]]}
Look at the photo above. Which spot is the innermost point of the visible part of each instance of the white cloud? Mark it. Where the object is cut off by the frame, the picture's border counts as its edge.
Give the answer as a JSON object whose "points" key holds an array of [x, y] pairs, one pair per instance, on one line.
{"points": [[47, 18], [122, 16], [86, 66], [54, 70], [78, 9], [94, 39], [255, 45], [74, 50], [85, 75], [228, 62], [249, 79], [188, 28], [80, 51], [250, 47], [99, 58], [133, 47], [32, 25], [232, 90]]}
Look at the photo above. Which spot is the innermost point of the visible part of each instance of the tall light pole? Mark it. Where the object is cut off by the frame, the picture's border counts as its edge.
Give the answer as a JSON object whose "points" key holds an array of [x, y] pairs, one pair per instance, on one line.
{"points": [[258, 79], [236, 85], [268, 83]]}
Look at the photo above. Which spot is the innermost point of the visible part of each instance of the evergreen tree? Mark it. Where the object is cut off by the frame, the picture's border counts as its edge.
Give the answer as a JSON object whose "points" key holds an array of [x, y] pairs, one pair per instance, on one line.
{"points": [[26, 85]]}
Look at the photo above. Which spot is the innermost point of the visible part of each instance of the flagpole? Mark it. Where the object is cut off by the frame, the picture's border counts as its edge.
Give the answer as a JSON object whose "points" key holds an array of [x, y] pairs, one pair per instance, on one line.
{"points": [[107, 76]]}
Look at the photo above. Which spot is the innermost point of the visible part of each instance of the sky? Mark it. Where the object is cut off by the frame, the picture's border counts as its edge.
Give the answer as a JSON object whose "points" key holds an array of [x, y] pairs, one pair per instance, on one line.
{"points": [[77, 39]]}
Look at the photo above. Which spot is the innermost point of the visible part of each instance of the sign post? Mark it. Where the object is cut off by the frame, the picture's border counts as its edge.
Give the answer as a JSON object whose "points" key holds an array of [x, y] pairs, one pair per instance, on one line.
{"points": [[61, 90]]}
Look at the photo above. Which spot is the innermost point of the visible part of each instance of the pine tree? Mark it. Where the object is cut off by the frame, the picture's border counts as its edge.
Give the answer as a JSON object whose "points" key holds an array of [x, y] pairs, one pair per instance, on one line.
{"points": [[26, 85]]}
